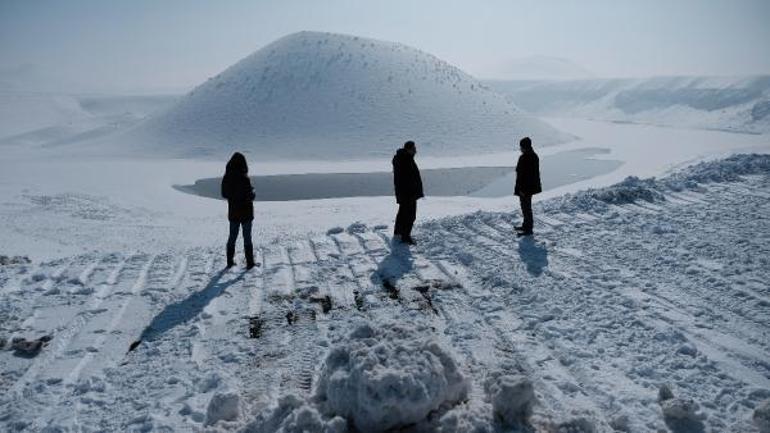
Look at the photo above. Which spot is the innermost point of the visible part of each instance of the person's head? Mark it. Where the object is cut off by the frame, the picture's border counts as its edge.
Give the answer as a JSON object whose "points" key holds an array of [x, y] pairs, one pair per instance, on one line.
{"points": [[237, 164], [525, 144], [410, 147]]}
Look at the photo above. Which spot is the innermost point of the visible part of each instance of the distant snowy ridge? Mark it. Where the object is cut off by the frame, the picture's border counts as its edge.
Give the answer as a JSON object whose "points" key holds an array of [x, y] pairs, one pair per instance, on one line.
{"points": [[323, 95], [725, 103]]}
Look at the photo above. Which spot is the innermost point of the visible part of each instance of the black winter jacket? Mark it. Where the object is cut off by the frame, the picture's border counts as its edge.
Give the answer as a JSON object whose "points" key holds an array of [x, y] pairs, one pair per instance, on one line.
{"points": [[406, 177], [528, 174], [237, 189]]}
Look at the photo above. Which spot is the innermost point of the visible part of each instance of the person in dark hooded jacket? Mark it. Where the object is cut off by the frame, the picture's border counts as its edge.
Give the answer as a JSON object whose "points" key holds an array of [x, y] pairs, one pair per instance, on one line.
{"points": [[237, 189], [527, 184], [408, 186]]}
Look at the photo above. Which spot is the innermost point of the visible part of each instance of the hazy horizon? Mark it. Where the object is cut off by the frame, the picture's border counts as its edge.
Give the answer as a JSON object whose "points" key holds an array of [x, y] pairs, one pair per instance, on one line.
{"points": [[175, 45]]}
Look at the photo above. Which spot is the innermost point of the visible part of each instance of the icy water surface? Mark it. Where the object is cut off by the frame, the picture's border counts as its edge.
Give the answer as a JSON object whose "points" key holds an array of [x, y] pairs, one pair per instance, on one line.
{"points": [[556, 170]]}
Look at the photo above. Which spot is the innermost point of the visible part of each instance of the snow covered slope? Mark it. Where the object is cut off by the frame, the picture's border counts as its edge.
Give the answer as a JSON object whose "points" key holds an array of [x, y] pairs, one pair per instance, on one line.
{"points": [[729, 103], [49, 119], [321, 95], [632, 309]]}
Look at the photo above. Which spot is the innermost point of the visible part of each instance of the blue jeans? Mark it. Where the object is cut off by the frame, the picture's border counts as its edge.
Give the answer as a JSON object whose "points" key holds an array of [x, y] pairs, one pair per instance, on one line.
{"points": [[234, 234]]}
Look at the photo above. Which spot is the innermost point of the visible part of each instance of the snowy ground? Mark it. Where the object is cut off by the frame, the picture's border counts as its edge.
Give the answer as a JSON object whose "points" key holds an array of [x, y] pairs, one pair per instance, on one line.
{"points": [[623, 290], [54, 205]]}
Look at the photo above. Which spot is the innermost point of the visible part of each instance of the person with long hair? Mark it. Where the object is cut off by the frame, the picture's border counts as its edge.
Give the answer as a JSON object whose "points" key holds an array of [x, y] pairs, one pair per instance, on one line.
{"points": [[237, 189]]}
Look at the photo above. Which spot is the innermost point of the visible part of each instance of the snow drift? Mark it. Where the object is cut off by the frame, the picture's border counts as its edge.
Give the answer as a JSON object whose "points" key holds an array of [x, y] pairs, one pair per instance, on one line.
{"points": [[633, 189], [728, 103], [321, 95], [382, 377]]}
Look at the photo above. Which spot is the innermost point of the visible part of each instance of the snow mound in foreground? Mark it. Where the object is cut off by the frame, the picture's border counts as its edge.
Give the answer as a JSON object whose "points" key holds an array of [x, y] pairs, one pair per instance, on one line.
{"points": [[323, 95], [378, 379]]}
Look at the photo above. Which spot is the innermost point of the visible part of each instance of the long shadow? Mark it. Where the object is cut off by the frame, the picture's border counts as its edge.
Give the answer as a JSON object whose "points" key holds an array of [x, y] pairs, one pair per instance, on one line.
{"points": [[394, 266], [534, 255], [180, 312]]}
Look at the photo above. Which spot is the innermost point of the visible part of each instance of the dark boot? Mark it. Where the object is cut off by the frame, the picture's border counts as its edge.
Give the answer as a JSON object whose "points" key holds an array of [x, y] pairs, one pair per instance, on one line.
{"points": [[230, 256], [249, 252]]}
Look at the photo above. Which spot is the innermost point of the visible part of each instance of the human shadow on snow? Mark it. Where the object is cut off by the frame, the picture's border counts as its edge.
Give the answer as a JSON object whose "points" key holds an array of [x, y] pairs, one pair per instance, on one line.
{"points": [[533, 255], [182, 311], [394, 266]]}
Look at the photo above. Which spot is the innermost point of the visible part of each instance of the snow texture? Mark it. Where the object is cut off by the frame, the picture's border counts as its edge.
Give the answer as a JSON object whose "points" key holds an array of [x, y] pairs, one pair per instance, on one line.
{"points": [[512, 398], [620, 290], [762, 417], [223, 406], [651, 190], [388, 376]]}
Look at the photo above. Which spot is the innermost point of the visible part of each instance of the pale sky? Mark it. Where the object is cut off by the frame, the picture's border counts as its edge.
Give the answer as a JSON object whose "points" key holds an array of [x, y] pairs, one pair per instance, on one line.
{"points": [[176, 44]]}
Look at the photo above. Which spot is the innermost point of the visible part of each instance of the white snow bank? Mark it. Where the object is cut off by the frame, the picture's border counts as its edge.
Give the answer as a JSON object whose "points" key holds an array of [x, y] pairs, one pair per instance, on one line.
{"points": [[388, 376], [634, 189], [382, 377]]}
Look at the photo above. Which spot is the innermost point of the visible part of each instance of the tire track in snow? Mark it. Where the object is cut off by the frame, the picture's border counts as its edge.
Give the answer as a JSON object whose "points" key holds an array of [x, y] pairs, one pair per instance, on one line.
{"points": [[60, 343], [516, 348]]}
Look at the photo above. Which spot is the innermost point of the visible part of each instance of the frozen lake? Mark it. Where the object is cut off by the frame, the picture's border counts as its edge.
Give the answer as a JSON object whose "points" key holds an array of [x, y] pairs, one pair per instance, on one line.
{"points": [[558, 169]]}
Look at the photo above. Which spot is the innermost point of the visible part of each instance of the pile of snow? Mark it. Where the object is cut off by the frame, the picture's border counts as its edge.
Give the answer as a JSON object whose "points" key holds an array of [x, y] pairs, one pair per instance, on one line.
{"points": [[382, 377], [322, 96], [730, 103], [634, 189], [729, 169]]}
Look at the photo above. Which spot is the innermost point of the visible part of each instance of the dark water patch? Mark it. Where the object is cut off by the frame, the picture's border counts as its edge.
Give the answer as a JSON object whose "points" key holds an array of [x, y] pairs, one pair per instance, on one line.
{"points": [[556, 170]]}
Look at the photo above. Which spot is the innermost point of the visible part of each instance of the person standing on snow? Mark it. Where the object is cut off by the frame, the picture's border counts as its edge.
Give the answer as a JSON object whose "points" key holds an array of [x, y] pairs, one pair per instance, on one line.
{"points": [[527, 184], [408, 185], [237, 189]]}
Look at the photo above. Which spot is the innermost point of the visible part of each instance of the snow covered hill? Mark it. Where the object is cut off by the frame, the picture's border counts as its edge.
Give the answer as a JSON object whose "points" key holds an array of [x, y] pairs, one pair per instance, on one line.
{"points": [[729, 103], [632, 309], [322, 96]]}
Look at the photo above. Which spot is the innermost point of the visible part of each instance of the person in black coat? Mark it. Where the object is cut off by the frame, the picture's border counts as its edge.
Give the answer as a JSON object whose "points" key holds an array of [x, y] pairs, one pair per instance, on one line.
{"points": [[237, 189], [527, 184], [408, 185]]}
